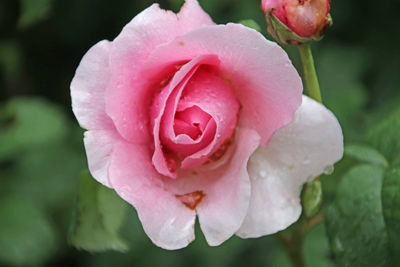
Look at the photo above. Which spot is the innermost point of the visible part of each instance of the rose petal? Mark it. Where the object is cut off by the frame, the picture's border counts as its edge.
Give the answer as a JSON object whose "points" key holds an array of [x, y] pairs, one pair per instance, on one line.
{"points": [[226, 189], [88, 88], [99, 146], [127, 99], [165, 219], [297, 153], [265, 82]]}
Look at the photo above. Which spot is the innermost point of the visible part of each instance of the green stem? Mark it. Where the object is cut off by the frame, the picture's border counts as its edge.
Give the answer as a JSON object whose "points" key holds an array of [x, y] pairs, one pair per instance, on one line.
{"points": [[310, 75], [292, 241]]}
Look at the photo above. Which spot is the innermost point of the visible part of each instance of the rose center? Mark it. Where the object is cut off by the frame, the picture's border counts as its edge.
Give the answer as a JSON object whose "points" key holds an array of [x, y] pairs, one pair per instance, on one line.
{"points": [[193, 118], [192, 122]]}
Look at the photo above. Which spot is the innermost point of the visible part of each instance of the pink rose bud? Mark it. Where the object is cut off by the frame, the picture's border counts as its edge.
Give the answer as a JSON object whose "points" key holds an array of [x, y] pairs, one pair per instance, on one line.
{"points": [[186, 119], [297, 21]]}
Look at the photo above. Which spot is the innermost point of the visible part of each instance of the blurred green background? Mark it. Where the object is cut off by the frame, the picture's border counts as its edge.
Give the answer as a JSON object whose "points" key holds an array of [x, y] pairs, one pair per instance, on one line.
{"points": [[41, 150]]}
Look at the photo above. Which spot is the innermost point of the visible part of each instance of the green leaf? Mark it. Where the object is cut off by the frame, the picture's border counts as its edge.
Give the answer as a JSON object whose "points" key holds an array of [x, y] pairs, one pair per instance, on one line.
{"points": [[354, 221], [385, 137], [45, 175], [251, 24], [112, 207], [367, 154], [100, 213], [33, 11], [29, 122], [26, 235], [391, 207], [311, 198]]}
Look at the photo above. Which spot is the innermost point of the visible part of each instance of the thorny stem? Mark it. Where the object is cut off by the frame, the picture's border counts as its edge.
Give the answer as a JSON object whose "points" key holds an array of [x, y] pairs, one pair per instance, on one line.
{"points": [[310, 74]]}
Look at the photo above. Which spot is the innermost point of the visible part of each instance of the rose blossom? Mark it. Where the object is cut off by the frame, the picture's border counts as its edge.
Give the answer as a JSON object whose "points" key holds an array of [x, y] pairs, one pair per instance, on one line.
{"points": [[185, 118]]}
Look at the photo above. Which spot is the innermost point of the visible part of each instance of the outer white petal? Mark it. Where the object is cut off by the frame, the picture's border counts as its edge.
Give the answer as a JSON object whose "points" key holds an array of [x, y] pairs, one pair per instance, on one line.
{"points": [[298, 152], [99, 145]]}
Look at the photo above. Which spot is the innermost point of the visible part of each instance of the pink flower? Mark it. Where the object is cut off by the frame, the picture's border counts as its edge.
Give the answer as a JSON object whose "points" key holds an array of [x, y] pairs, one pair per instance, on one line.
{"points": [[307, 18], [184, 118]]}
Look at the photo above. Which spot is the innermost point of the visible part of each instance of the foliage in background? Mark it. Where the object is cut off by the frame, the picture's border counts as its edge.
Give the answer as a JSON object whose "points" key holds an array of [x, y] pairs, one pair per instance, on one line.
{"points": [[42, 156]]}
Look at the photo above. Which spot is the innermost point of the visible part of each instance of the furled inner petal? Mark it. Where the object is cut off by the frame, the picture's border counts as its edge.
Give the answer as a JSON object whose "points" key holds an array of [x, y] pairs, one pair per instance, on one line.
{"points": [[193, 129], [206, 95], [193, 119], [208, 91], [163, 112]]}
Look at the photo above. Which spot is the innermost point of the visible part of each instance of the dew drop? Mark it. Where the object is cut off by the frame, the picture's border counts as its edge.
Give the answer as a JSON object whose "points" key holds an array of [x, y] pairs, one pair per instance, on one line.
{"points": [[263, 173], [329, 170]]}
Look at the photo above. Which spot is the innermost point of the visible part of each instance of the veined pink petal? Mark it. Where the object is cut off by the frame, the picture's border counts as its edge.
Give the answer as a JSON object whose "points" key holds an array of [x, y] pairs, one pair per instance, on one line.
{"points": [[224, 187], [297, 153], [88, 88], [165, 219], [264, 80], [128, 99]]}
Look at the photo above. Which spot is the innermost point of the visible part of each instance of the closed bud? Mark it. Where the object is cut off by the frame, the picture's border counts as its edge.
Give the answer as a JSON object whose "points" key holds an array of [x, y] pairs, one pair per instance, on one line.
{"points": [[297, 21]]}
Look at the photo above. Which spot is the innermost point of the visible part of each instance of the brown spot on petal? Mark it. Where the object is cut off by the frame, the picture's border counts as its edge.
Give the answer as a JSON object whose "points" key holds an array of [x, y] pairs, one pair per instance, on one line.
{"points": [[191, 200], [181, 43], [221, 151]]}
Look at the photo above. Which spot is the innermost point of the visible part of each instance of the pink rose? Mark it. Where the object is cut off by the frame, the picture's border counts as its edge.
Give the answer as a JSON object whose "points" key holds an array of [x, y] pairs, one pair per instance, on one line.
{"points": [[182, 119], [307, 18]]}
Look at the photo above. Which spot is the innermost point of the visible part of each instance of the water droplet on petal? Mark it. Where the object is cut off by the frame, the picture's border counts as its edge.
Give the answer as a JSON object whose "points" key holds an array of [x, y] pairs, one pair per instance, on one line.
{"points": [[263, 173], [329, 170]]}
